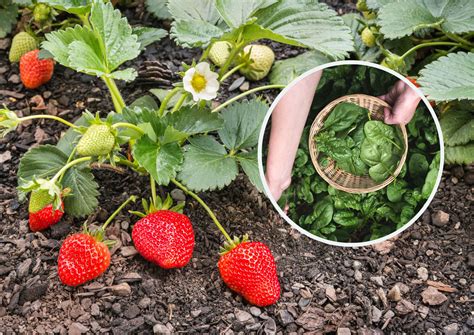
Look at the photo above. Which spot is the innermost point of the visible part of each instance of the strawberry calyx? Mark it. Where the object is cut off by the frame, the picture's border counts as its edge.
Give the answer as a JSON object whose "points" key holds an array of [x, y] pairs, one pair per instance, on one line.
{"points": [[158, 204], [99, 233], [8, 121], [229, 246], [49, 189]]}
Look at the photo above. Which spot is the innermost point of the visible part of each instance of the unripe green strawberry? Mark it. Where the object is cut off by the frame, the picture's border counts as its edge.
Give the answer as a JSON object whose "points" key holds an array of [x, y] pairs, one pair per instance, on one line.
{"points": [[21, 44], [362, 6], [98, 140], [41, 212], [369, 15], [394, 62], [368, 37], [219, 52], [262, 58], [41, 13]]}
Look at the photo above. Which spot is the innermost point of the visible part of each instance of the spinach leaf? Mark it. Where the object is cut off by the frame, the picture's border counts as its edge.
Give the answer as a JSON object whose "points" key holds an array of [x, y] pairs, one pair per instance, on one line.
{"points": [[379, 132], [343, 116], [396, 190], [431, 177], [384, 169], [335, 147], [321, 215], [347, 218], [354, 164], [418, 167]]}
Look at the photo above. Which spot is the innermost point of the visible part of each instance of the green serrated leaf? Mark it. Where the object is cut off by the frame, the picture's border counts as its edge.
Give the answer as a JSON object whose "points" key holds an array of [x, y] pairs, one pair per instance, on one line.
{"points": [[458, 127], [193, 120], [8, 16], [162, 161], [116, 36], [299, 20], [158, 8], [449, 78], [99, 51], [237, 13], [242, 123], [194, 33], [460, 154], [145, 101], [207, 165], [285, 71], [148, 35], [203, 10], [80, 7], [44, 161], [404, 17], [249, 163]]}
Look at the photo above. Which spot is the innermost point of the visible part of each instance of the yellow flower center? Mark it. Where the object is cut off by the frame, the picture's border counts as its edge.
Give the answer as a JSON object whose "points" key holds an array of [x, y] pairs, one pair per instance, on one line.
{"points": [[198, 82]]}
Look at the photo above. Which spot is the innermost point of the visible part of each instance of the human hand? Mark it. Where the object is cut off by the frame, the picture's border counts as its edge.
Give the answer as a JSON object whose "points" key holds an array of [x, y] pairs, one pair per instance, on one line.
{"points": [[277, 185], [403, 100]]}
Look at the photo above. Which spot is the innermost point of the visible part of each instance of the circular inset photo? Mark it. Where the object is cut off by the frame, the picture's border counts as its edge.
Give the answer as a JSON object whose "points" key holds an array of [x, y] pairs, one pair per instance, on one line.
{"points": [[351, 153]]}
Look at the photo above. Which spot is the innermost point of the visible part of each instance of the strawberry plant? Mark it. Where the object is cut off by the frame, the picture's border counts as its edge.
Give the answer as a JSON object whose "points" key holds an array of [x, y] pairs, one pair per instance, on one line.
{"points": [[185, 140]]}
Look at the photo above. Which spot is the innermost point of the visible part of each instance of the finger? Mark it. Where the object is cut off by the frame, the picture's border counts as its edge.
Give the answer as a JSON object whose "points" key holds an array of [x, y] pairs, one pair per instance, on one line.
{"points": [[389, 117]]}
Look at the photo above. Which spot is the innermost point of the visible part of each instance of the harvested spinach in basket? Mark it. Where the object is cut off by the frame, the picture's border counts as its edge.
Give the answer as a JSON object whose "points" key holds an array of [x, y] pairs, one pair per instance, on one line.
{"points": [[359, 145]]}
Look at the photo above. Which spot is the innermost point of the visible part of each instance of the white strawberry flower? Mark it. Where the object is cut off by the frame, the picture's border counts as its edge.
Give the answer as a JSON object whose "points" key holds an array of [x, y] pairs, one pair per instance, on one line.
{"points": [[201, 82]]}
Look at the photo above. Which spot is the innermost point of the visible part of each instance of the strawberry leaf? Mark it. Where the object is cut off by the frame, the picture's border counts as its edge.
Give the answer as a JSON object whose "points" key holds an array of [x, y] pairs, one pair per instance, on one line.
{"points": [[158, 8], [458, 127], [404, 17], [295, 22], [8, 14], [237, 13], [242, 123], [249, 163], [160, 160], [148, 35], [44, 161], [79, 7], [193, 120], [461, 154], [285, 71], [207, 165], [449, 78], [98, 50]]}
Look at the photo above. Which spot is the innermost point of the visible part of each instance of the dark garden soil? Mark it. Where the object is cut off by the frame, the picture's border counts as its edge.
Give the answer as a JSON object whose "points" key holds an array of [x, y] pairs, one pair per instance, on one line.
{"points": [[418, 283]]}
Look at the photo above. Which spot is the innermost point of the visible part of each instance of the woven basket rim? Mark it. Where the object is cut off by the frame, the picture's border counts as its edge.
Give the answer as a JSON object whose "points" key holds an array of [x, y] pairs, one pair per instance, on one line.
{"points": [[317, 124]]}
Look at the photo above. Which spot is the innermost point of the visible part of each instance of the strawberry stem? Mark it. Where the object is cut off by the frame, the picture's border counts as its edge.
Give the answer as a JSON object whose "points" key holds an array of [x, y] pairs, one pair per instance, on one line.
{"points": [[235, 69], [52, 117], [117, 99], [167, 99], [237, 97], [206, 207], [233, 53], [128, 125], [114, 214], [67, 166], [429, 44], [180, 102], [153, 190], [71, 156]]}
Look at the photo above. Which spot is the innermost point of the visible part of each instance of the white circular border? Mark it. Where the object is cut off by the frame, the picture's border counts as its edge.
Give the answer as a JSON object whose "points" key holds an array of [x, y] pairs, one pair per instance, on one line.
{"points": [[262, 172]]}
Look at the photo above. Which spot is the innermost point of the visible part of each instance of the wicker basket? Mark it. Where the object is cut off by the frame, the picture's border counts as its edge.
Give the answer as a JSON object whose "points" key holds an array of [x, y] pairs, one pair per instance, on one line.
{"points": [[341, 179]]}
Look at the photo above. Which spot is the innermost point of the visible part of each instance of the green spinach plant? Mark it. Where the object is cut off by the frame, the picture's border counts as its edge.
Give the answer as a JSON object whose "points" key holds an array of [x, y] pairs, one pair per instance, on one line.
{"points": [[336, 215], [359, 145]]}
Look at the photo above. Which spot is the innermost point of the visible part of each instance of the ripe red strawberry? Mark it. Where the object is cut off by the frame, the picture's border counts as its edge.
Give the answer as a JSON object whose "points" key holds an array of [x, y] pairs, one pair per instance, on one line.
{"points": [[249, 269], [35, 72], [413, 81], [165, 238], [41, 212], [82, 257]]}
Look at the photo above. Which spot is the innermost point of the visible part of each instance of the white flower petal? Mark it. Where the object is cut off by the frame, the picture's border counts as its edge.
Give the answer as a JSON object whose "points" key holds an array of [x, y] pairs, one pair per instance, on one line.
{"points": [[203, 68]]}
